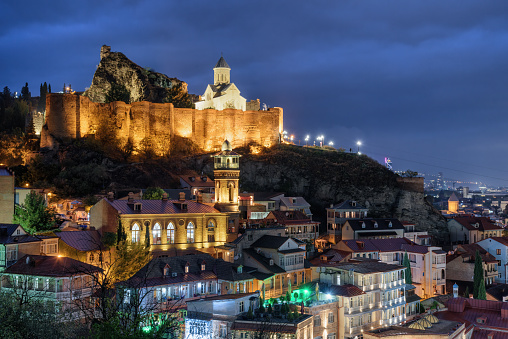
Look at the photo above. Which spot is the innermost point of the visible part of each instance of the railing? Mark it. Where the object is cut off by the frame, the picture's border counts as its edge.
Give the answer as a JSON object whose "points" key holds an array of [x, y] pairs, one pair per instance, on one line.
{"points": [[394, 302]]}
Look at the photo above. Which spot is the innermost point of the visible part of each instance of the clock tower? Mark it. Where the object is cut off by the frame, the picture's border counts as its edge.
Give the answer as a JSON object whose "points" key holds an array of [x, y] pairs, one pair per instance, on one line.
{"points": [[226, 170]]}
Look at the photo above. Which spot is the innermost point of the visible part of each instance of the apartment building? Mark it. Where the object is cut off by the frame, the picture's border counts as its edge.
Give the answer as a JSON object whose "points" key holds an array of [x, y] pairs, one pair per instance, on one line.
{"points": [[428, 263], [373, 293]]}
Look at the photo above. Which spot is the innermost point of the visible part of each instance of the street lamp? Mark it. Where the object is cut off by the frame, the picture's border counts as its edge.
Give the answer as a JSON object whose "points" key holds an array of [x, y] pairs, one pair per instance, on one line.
{"points": [[359, 143], [306, 139], [330, 143], [321, 139]]}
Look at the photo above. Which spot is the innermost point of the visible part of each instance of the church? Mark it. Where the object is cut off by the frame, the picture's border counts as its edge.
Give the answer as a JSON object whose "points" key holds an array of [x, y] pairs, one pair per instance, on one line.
{"points": [[223, 94]]}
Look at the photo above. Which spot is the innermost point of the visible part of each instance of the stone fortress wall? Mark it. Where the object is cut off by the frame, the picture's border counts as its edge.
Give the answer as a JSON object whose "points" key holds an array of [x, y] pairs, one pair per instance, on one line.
{"points": [[71, 116]]}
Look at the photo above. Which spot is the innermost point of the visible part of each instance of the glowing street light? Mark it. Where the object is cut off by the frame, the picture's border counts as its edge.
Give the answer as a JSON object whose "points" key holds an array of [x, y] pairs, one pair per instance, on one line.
{"points": [[330, 143], [307, 137], [359, 143], [321, 139]]}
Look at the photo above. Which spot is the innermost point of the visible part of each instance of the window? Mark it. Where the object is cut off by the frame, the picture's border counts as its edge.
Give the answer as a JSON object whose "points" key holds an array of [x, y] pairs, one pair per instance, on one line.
{"points": [[317, 321], [333, 336], [223, 331], [135, 233], [241, 307], [190, 233], [203, 266], [239, 269], [498, 251], [91, 257], [211, 226], [12, 253], [156, 233], [331, 318], [211, 238], [127, 297], [187, 268], [375, 224], [171, 233]]}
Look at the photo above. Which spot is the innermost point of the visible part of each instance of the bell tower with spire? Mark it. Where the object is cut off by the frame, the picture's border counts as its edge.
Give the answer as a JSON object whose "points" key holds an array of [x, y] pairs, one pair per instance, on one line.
{"points": [[226, 170], [221, 72]]}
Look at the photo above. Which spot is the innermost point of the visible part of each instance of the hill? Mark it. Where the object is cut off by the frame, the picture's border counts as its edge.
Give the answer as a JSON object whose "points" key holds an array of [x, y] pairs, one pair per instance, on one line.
{"points": [[322, 177]]}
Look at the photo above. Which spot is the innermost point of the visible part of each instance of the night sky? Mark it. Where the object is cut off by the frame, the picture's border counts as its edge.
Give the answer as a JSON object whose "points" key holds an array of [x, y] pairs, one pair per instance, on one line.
{"points": [[422, 82]]}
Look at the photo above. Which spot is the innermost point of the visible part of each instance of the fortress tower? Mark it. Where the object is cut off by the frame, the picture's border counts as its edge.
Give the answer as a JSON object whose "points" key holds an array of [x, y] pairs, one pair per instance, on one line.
{"points": [[226, 170]]}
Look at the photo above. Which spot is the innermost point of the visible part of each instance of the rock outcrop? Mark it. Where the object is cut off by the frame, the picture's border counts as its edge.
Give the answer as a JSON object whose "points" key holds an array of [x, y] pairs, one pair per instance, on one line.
{"points": [[325, 178], [143, 84]]}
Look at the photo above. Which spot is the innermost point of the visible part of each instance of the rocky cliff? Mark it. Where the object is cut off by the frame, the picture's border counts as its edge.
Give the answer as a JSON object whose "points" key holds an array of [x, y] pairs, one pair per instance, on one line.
{"points": [[116, 71], [325, 178]]}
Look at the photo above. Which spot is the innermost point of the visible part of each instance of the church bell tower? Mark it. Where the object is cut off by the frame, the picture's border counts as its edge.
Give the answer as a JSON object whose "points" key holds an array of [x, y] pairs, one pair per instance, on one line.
{"points": [[226, 170]]}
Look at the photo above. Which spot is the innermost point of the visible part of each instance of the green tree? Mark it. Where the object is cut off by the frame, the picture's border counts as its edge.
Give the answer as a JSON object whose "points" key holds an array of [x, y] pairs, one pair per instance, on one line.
{"points": [[178, 96], [407, 264], [153, 193], [41, 105], [482, 293], [25, 92], [478, 274], [118, 92], [466, 292], [34, 215], [121, 236]]}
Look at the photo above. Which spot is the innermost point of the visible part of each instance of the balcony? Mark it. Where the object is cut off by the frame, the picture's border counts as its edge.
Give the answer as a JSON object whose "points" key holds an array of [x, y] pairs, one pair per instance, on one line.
{"points": [[439, 281], [394, 302], [355, 330]]}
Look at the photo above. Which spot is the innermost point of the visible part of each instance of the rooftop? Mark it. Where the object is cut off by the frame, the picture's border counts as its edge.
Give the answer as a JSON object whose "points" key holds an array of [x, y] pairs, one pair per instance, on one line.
{"points": [[51, 266], [160, 207]]}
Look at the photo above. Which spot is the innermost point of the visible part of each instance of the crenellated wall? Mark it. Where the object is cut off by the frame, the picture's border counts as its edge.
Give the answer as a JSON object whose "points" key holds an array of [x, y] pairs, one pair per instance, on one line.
{"points": [[70, 116]]}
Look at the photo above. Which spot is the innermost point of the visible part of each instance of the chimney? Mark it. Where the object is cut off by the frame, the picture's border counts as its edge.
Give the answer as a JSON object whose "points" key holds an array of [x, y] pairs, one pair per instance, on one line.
{"points": [[131, 197], [199, 199], [164, 196], [181, 196], [111, 196]]}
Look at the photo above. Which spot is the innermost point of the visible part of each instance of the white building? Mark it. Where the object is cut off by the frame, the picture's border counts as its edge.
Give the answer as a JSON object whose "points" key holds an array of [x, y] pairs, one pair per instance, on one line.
{"points": [[223, 93], [498, 247]]}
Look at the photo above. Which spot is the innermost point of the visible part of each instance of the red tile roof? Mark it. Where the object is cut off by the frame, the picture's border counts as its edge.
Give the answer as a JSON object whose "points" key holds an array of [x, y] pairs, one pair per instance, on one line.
{"points": [[385, 245], [469, 310], [290, 217], [50, 266], [160, 207], [484, 223]]}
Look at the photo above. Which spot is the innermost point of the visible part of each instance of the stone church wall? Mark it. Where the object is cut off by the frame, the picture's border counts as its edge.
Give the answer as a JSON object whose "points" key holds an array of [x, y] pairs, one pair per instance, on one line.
{"points": [[70, 116]]}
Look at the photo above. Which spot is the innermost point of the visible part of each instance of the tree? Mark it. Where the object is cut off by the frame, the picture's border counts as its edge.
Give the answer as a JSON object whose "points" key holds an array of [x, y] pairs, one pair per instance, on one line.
{"points": [[407, 264], [482, 293], [478, 275], [41, 106], [178, 96], [118, 92], [25, 92], [34, 215], [466, 292], [153, 193]]}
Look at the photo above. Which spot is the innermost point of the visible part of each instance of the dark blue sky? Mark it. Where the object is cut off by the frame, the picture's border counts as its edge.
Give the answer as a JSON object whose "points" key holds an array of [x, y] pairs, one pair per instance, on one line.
{"points": [[425, 83]]}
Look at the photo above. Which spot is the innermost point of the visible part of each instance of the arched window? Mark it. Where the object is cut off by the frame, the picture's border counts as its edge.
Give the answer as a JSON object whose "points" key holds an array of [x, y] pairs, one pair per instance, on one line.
{"points": [[295, 279], [156, 232], [211, 226], [190, 233], [231, 188], [135, 233], [91, 257], [171, 233]]}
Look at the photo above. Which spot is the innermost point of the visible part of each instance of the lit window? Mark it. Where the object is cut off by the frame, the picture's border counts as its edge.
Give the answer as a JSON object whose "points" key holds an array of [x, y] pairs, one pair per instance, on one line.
{"points": [[171, 233], [156, 233], [135, 233], [190, 233], [211, 226], [187, 268]]}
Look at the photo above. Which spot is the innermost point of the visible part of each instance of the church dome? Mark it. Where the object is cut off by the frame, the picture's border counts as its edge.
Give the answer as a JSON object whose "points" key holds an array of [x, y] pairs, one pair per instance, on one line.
{"points": [[226, 146], [222, 63]]}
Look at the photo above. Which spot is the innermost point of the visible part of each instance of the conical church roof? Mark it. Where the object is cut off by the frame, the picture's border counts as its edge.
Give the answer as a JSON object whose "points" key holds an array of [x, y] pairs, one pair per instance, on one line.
{"points": [[222, 63]]}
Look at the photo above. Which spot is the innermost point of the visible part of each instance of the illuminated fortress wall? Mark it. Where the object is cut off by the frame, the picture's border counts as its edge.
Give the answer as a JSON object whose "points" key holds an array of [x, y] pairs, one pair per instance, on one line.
{"points": [[70, 116]]}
